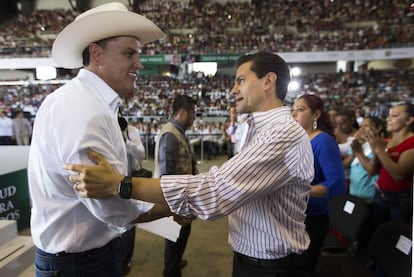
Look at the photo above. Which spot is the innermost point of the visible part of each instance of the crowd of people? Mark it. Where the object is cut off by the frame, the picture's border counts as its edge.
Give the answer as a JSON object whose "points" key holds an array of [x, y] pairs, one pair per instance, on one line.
{"points": [[366, 93], [239, 27], [296, 154], [316, 26]]}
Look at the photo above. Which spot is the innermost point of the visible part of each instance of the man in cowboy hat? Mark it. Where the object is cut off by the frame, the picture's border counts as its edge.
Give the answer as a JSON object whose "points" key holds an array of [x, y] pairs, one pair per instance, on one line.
{"points": [[73, 235]]}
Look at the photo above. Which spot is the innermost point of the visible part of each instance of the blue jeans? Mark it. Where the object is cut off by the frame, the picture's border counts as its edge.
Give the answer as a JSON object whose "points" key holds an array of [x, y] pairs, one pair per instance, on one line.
{"points": [[104, 261], [392, 206]]}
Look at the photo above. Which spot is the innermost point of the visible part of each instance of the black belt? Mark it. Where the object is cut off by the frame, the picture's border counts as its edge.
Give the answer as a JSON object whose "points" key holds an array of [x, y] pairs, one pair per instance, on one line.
{"points": [[90, 252], [288, 261]]}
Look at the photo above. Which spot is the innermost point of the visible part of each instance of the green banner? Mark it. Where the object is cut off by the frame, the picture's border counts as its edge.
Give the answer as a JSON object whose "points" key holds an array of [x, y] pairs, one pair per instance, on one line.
{"points": [[14, 198], [177, 59], [152, 59], [225, 58]]}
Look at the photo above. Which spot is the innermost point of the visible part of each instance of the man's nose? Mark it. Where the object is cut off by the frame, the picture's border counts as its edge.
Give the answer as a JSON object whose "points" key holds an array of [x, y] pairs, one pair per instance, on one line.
{"points": [[138, 64]]}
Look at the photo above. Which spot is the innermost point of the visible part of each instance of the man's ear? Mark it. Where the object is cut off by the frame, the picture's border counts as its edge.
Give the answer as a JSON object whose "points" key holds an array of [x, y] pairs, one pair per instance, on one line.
{"points": [[95, 53], [270, 80], [181, 113]]}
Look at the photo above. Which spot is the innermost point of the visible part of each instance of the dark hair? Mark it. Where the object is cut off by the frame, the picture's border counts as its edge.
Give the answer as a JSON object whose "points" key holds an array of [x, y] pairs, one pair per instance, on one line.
{"points": [[86, 56], [183, 102], [378, 124], [263, 63], [409, 108], [349, 115], [315, 103]]}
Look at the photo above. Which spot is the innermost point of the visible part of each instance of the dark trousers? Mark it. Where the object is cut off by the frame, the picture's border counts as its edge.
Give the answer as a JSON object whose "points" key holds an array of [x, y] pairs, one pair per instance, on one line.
{"points": [[128, 243], [392, 206], [209, 148], [230, 149], [317, 228], [104, 261], [174, 251], [290, 266], [6, 140]]}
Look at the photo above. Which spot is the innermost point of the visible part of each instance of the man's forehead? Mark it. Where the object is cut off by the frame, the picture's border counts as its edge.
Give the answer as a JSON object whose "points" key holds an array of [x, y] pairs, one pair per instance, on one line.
{"points": [[243, 69], [245, 66]]}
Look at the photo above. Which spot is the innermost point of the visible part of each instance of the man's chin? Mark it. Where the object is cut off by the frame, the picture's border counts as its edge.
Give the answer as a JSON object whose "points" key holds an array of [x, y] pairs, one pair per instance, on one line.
{"points": [[239, 109], [126, 92]]}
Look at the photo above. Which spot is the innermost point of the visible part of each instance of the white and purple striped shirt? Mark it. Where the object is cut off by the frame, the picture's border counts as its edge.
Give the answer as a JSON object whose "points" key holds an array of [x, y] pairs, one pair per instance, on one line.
{"points": [[264, 189]]}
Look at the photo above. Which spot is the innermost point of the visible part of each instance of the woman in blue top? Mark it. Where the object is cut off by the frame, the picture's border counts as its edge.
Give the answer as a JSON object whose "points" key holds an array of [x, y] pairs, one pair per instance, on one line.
{"points": [[329, 179]]}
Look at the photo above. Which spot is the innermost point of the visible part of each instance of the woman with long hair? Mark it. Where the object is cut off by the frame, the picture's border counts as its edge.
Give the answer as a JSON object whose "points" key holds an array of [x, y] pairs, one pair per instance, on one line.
{"points": [[329, 179], [394, 163]]}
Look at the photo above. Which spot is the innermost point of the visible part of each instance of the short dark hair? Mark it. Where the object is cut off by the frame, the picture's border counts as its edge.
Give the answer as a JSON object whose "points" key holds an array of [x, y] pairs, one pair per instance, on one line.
{"points": [[183, 102], [265, 62], [86, 56], [378, 124], [350, 115]]}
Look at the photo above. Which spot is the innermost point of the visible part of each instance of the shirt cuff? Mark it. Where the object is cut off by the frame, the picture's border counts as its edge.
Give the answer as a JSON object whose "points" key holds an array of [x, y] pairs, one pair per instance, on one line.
{"points": [[175, 190]]}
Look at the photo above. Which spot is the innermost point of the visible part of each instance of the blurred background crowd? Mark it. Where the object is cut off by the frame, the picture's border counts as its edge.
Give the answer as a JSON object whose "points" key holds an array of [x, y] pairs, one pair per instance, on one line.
{"points": [[202, 27], [239, 27]]}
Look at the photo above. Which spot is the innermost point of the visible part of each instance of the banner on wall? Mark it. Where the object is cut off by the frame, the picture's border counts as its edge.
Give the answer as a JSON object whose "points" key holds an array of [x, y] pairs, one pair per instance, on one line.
{"points": [[220, 58], [14, 189], [160, 59], [290, 57]]}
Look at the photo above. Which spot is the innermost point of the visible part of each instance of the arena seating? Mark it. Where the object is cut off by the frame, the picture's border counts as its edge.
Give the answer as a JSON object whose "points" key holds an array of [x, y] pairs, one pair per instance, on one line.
{"points": [[239, 27]]}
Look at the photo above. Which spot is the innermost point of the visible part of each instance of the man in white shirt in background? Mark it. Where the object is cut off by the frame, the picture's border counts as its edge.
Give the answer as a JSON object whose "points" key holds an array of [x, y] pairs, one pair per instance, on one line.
{"points": [[6, 129], [22, 129]]}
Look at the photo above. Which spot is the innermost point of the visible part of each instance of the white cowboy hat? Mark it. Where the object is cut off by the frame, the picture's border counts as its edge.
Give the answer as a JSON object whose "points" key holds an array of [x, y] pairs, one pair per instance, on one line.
{"points": [[104, 21]]}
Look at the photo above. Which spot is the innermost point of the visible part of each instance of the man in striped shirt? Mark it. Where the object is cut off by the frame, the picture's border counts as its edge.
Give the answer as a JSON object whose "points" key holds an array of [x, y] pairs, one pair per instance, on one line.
{"points": [[263, 189]]}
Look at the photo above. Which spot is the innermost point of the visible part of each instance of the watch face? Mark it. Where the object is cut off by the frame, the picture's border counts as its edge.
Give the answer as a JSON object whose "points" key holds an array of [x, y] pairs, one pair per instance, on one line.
{"points": [[124, 188]]}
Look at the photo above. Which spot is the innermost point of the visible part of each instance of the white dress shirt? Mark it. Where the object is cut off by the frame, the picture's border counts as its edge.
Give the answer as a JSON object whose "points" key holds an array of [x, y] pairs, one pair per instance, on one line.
{"points": [[78, 116], [6, 127], [264, 189]]}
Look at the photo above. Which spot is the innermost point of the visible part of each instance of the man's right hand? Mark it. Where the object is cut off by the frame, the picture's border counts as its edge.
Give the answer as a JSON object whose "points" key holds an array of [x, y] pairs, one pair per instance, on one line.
{"points": [[183, 220], [95, 181]]}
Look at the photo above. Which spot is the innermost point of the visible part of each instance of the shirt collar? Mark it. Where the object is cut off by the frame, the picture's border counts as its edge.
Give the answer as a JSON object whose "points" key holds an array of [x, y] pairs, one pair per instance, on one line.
{"points": [[274, 116], [178, 126], [106, 93]]}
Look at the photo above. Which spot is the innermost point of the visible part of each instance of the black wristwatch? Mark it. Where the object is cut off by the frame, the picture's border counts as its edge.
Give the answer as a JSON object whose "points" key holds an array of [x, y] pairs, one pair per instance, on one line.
{"points": [[125, 187]]}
